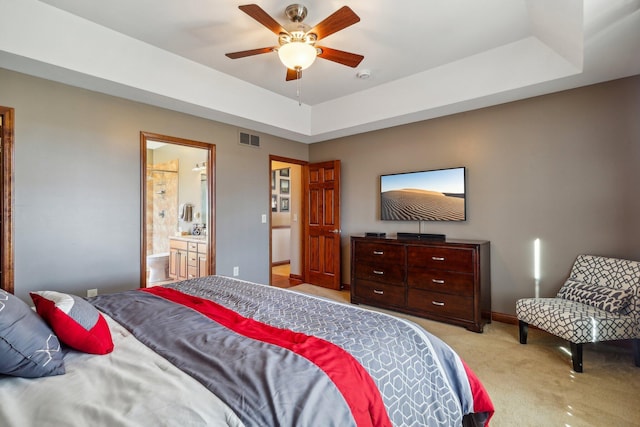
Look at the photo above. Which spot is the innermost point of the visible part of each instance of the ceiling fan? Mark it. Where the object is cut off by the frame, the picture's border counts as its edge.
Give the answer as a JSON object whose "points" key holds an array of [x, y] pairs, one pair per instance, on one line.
{"points": [[297, 41]]}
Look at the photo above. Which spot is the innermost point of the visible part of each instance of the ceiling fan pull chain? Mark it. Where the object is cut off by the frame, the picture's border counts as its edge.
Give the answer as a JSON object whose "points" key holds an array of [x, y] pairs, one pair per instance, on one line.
{"points": [[298, 84]]}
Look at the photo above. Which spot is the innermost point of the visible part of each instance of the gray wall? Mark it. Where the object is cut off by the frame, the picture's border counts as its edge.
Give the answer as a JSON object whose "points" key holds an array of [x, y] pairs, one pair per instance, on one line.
{"points": [[77, 187], [564, 168]]}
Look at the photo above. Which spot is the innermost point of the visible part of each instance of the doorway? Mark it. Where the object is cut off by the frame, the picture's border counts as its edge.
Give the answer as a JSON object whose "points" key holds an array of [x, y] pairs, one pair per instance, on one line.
{"points": [[286, 241], [6, 201], [312, 205], [178, 209]]}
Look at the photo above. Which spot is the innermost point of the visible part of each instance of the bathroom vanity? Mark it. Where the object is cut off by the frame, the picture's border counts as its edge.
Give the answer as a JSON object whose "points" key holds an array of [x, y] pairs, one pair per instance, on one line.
{"points": [[188, 257]]}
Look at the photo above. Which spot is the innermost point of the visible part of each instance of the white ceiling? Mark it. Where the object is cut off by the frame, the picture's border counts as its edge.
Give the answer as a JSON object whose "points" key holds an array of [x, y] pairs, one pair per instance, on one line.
{"points": [[427, 58]]}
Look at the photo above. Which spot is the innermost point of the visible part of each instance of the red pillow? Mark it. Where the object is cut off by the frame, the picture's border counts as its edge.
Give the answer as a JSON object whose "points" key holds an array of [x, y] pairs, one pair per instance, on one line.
{"points": [[75, 321]]}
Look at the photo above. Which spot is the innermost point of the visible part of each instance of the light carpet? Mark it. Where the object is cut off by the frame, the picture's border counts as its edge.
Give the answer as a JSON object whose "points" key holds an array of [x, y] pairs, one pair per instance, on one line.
{"points": [[534, 384]]}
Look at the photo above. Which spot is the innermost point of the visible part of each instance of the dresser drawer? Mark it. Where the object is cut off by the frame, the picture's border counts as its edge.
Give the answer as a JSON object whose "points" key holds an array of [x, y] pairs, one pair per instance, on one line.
{"points": [[452, 259], [177, 244], [376, 253], [381, 272], [192, 271], [440, 304], [192, 259], [379, 293], [440, 281]]}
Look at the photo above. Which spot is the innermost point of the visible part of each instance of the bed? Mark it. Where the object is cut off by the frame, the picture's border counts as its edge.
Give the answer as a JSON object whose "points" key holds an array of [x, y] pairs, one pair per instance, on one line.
{"points": [[218, 351]]}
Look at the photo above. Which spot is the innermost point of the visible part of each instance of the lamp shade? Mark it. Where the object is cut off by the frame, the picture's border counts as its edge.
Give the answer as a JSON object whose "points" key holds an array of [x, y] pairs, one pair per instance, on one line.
{"points": [[297, 55]]}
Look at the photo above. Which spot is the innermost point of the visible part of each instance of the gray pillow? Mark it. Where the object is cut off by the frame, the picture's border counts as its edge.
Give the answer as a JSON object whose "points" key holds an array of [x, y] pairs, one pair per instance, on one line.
{"points": [[28, 347], [602, 297]]}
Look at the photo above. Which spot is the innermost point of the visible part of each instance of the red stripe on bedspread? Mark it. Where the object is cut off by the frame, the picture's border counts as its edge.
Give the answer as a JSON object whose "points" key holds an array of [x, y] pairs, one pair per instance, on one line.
{"points": [[353, 381], [481, 401]]}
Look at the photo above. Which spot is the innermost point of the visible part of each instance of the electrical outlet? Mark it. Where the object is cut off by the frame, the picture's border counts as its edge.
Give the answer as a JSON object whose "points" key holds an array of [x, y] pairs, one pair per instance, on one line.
{"points": [[92, 292], [236, 271]]}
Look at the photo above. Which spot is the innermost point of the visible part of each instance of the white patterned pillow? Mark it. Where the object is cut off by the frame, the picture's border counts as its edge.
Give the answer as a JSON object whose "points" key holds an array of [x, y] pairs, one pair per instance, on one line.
{"points": [[602, 297], [28, 347]]}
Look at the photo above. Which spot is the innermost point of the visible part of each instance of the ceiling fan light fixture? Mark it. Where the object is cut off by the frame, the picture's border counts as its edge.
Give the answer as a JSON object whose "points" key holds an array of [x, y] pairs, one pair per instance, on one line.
{"points": [[297, 55]]}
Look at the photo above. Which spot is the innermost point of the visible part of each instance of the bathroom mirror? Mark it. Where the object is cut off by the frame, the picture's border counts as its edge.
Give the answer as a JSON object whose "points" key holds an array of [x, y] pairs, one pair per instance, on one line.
{"points": [[177, 209], [203, 197]]}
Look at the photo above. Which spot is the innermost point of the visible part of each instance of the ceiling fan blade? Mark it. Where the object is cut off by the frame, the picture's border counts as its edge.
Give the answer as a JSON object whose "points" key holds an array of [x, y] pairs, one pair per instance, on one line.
{"points": [[337, 21], [292, 74], [257, 13], [244, 53], [341, 57]]}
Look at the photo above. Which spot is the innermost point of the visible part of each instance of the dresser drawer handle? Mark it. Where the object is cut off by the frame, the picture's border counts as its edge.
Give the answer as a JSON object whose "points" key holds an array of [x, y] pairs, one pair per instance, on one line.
{"points": [[438, 281], [378, 252], [379, 292], [437, 258], [438, 303], [378, 272]]}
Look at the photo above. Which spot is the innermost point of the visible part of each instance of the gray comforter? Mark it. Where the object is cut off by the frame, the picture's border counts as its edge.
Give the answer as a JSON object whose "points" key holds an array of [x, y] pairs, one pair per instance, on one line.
{"points": [[420, 379]]}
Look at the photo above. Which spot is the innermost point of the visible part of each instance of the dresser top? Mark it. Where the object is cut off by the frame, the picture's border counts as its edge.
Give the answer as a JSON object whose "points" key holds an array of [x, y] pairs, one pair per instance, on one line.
{"points": [[413, 241]]}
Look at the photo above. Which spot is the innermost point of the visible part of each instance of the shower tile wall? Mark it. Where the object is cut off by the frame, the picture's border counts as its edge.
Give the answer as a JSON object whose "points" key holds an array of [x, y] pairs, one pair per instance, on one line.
{"points": [[162, 205]]}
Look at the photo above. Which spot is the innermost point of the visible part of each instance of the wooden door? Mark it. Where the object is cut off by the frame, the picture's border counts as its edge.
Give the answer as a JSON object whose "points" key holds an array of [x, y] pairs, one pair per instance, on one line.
{"points": [[174, 263], [202, 265], [183, 272], [6, 199], [322, 224]]}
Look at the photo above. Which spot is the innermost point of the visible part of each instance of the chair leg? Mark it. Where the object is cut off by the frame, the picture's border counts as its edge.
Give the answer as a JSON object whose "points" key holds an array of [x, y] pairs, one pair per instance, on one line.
{"points": [[576, 356], [524, 330], [636, 351]]}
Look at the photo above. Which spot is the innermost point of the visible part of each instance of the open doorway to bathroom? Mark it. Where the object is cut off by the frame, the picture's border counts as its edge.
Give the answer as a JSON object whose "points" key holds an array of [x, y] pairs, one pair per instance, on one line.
{"points": [[178, 209], [286, 246]]}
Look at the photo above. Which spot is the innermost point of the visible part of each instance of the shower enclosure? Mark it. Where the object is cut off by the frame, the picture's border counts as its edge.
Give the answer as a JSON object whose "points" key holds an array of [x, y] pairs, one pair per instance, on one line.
{"points": [[162, 206]]}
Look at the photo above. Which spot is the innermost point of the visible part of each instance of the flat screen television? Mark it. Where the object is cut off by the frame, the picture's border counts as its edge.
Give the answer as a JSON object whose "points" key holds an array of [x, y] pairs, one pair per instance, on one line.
{"points": [[431, 195]]}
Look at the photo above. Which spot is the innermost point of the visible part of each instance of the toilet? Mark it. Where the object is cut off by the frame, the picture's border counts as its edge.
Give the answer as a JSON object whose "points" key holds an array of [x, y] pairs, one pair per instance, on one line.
{"points": [[158, 265]]}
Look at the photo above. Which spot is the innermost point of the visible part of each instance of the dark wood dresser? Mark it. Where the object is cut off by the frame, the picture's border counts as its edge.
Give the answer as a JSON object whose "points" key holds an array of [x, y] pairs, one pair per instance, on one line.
{"points": [[444, 280]]}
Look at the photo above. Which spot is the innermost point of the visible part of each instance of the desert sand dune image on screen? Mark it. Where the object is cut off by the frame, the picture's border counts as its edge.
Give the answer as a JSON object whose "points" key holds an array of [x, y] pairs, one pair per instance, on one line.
{"points": [[414, 205]]}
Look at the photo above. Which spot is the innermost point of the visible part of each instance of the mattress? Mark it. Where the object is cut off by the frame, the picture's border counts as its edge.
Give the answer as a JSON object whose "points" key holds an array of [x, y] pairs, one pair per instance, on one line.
{"points": [[221, 351]]}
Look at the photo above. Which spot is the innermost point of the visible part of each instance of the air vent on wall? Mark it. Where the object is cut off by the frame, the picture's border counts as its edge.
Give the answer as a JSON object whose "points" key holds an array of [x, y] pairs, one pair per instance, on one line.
{"points": [[249, 140]]}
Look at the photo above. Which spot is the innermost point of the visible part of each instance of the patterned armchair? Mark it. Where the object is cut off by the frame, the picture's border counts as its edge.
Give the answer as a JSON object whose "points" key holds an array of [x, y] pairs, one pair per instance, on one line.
{"points": [[599, 302]]}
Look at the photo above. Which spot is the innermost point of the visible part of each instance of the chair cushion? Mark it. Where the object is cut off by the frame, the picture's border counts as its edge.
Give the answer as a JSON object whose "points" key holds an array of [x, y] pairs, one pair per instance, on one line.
{"points": [[576, 322], [602, 297]]}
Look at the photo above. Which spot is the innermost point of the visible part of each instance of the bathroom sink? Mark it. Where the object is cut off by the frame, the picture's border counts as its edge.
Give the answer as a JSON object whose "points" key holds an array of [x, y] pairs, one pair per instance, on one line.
{"points": [[192, 237]]}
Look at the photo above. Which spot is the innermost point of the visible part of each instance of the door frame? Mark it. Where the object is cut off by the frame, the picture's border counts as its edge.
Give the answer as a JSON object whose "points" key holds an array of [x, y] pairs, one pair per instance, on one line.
{"points": [[303, 163], [211, 209], [7, 202]]}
